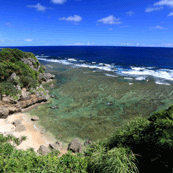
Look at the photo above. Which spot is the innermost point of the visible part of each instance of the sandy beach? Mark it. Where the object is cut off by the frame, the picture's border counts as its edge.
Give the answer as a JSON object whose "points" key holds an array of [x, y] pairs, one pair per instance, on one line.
{"points": [[34, 136]]}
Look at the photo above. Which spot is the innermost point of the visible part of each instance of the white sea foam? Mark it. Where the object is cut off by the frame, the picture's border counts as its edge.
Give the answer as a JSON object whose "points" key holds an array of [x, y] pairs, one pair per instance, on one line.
{"points": [[65, 62], [141, 78], [139, 72], [109, 75], [161, 83], [138, 68], [72, 59], [41, 56], [128, 78], [81, 60], [100, 63]]}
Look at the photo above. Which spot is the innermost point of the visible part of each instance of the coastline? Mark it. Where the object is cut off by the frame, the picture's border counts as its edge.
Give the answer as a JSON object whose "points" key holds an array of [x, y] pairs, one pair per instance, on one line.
{"points": [[33, 132]]}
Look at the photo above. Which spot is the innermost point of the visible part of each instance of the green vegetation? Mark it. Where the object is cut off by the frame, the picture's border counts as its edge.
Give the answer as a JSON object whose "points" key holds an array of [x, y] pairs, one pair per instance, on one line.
{"points": [[140, 145], [10, 62]]}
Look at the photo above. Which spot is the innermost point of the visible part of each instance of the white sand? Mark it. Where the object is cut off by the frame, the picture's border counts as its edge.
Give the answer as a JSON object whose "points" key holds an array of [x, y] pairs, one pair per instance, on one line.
{"points": [[34, 137]]}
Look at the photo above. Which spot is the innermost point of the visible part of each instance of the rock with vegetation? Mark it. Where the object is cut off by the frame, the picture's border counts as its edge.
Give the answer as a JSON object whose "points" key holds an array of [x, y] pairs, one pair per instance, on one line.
{"points": [[75, 145], [20, 81], [43, 150]]}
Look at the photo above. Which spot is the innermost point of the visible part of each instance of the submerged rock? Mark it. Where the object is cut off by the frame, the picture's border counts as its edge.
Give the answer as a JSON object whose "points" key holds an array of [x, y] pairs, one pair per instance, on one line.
{"points": [[54, 107], [35, 118]]}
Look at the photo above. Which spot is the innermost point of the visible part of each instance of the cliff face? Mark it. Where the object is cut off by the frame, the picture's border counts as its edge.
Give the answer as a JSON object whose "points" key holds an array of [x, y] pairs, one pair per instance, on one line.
{"points": [[23, 77]]}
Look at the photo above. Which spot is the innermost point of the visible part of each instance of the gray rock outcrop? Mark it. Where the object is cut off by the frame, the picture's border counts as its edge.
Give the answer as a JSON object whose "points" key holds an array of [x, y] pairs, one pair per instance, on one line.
{"points": [[75, 146], [32, 63], [46, 76], [56, 146], [43, 150]]}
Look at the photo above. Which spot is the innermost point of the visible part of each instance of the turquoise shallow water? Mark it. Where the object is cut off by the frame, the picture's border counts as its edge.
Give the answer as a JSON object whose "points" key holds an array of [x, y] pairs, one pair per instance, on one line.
{"points": [[82, 97]]}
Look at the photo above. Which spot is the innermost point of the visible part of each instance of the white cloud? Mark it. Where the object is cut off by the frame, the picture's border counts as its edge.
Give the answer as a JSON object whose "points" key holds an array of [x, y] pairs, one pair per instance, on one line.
{"points": [[164, 2], [9, 25], [158, 27], [110, 29], [38, 6], [74, 18], [170, 14], [130, 13], [110, 20], [80, 44], [168, 44], [153, 9], [58, 1], [28, 39]]}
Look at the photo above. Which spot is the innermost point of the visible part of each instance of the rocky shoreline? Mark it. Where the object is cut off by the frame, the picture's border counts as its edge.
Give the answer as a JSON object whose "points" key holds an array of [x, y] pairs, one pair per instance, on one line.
{"points": [[18, 124]]}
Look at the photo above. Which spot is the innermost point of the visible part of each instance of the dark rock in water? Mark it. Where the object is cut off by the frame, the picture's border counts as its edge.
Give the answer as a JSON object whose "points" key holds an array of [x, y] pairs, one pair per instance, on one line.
{"points": [[54, 107], [75, 145], [35, 118], [56, 146], [20, 128], [44, 150], [17, 122], [88, 142], [110, 103]]}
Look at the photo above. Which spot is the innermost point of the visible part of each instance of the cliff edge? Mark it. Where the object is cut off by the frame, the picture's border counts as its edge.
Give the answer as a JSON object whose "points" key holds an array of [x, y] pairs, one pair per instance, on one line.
{"points": [[21, 78]]}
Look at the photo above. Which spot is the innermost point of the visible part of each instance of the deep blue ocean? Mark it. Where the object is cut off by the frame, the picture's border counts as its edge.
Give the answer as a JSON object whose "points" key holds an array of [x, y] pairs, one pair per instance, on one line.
{"points": [[140, 63]]}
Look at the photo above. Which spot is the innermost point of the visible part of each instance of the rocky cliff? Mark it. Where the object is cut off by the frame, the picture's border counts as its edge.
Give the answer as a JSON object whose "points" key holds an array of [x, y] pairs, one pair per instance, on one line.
{"points": [[26, 93]]}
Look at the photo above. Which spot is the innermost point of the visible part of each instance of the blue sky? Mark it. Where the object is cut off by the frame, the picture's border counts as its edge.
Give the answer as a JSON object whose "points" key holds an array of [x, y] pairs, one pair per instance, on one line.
{"points": [[86, 22]]}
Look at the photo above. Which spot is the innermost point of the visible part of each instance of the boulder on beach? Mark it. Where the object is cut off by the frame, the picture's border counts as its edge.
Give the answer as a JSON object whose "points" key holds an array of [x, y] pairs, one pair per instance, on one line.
{"points": [[35, 118], [20, 128], [17, 122], [43, 150], [56, 146], [75, 146]]}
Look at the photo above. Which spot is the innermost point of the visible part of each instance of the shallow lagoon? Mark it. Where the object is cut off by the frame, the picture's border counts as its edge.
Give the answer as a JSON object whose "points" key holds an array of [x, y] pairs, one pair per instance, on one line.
{"points": [[83, 96]]}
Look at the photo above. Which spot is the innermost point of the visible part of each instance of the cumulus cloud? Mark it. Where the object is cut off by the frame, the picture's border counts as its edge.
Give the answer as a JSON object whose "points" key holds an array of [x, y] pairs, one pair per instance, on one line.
{"points": [[130, 13], [158, 27], [74, 18], [28, 39], [58, 1], [164, 2], [110, 20], [153, 9], [39, 7], [170, 14]]}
